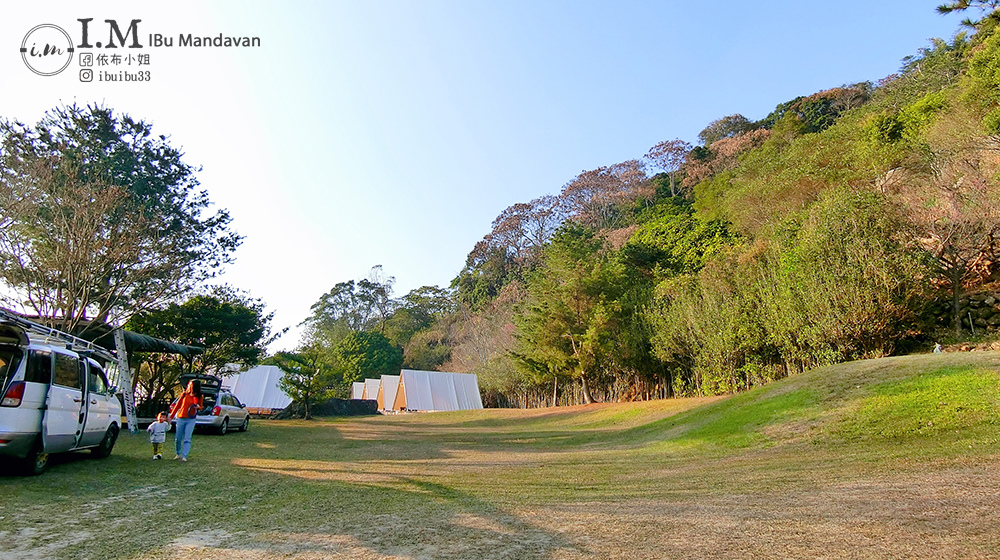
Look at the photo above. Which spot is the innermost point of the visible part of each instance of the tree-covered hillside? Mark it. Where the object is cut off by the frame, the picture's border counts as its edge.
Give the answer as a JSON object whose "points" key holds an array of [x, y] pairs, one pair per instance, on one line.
{"points": [[858, 221], [848, 223]]}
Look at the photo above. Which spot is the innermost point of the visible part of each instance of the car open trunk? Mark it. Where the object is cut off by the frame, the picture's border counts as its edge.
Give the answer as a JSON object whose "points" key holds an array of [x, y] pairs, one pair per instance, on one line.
{"points": [[210, 386]]}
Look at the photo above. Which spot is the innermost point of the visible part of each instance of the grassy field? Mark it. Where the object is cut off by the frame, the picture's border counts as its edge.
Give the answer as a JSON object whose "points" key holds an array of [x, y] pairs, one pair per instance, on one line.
{"points": [[890, 458]]}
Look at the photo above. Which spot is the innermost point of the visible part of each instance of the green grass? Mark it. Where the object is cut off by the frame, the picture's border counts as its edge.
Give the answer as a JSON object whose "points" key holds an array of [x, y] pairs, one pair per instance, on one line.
{"points": [[941, 404], [738, 422], [477, 479]]}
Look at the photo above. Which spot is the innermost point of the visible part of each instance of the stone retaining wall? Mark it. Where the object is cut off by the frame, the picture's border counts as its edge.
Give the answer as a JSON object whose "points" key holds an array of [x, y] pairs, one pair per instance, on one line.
{"points": [[979, 312]]}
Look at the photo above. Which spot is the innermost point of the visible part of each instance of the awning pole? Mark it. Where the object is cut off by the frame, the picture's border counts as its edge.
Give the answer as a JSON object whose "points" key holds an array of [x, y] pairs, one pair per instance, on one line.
{"points": [[125, 378]]}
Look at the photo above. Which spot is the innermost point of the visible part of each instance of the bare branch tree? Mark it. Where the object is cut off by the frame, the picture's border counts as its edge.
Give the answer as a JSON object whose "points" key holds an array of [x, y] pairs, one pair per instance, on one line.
{"points": [[669, 156]]}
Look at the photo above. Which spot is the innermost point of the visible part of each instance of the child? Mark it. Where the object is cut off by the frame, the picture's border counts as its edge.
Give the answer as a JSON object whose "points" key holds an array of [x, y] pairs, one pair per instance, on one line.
{"points": [[158, 434]]}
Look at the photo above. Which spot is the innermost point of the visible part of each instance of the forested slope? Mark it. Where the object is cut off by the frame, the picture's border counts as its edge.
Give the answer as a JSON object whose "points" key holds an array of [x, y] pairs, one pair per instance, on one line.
{"points": [[855, 222], [849, 223]]}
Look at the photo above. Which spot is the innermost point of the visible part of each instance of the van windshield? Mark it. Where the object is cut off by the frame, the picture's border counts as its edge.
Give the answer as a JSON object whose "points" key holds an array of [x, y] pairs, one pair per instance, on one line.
{"points": [[10, 358]]}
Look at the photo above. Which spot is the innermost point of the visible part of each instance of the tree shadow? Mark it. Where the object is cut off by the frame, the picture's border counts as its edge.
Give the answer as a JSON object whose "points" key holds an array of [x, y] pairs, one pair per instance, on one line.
{"points": [[269, 494], [363, 498], [401, 516]]}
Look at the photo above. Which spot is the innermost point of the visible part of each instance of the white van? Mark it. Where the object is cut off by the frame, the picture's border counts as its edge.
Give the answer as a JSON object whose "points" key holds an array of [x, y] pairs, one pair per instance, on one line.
{"points": [[54, 397]]}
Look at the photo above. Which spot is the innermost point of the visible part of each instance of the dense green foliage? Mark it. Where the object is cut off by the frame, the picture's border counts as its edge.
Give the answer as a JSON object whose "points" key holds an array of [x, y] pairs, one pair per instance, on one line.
{"points": [[570, 315], [366, 354], [824, 232], [101, 218]]}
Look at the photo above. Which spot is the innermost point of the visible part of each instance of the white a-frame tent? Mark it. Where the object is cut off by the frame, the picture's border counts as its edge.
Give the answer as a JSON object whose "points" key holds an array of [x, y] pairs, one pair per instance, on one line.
{"points": [[434, 390], [387, 391], [258, 387], [357, 390], [370, 392]]}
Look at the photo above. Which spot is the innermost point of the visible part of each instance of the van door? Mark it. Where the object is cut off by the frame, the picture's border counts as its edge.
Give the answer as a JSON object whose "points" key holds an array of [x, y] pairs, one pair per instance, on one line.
{"points": [[65, 407], [98, 406]]}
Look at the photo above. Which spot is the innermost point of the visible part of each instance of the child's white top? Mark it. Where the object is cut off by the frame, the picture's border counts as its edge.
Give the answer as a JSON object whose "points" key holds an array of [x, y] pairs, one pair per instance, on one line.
{"points": [[158, 432]]}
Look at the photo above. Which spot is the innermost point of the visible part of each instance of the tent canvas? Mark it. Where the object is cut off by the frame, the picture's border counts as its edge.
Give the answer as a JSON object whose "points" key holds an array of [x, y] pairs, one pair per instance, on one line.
{"points": [[387, 391], [371, 389], [443, 393], [258, 387], [357, 390], [467, 391], [436, 390], [414, 392]]}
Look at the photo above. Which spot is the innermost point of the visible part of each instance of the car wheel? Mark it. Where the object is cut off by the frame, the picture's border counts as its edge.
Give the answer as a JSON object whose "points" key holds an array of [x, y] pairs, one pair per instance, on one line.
{"points": [[246, 424], [37, 460], [224, 427], [107, 444]]}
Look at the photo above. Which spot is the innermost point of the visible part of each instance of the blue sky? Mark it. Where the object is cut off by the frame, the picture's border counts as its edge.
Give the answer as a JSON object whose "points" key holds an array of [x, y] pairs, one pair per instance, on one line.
{"points": [[392, 133]]}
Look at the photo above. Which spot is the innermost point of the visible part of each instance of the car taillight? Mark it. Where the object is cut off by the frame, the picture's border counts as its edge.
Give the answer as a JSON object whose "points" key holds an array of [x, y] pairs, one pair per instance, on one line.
{"points": [[216, 411], [13, 395]]}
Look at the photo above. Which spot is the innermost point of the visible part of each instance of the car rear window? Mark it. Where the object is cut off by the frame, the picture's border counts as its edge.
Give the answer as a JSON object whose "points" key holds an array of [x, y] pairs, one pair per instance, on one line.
{"points": [[10, 358]]}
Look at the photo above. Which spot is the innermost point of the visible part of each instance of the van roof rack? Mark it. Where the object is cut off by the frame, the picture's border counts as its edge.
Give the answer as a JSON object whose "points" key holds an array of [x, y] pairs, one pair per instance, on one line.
{"points": [[50, 334]]}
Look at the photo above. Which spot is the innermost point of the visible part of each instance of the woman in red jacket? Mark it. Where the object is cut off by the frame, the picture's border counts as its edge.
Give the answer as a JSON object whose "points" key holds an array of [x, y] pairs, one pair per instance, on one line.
{"points": [[184, 412]]}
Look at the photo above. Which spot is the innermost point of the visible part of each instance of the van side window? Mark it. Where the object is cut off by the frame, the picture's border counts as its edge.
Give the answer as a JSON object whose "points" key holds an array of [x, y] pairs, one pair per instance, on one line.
{"points": [[67, 372], [97, 382], [39, 368]]}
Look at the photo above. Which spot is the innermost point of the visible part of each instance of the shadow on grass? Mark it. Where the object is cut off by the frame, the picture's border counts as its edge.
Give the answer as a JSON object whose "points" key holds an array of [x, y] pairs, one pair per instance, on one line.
{"points": [[404, 517], [359, 495], [13, 468], [279, 490]]}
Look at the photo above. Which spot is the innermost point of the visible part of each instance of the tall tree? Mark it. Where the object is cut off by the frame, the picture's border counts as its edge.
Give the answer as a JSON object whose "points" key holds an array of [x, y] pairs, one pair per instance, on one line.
{"points": [[957, 215], [669, 156], [367, 354], [599, 198], [352, 307], [308, 379], [511, 249], [726, 127], [568, 322], [417, 311], [101, 218]]}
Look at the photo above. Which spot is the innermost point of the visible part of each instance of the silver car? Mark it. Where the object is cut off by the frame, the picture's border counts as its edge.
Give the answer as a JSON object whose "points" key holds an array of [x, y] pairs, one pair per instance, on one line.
{"points": [[222, 411]]}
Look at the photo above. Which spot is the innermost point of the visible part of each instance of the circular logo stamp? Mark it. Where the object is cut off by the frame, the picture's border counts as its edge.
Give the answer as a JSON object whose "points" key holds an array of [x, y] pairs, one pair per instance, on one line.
{"points": [[47, 50]]}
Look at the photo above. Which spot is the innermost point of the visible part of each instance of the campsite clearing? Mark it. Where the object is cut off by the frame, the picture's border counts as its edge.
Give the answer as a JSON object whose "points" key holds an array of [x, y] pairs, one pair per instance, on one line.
{"points": [[890, 458]]}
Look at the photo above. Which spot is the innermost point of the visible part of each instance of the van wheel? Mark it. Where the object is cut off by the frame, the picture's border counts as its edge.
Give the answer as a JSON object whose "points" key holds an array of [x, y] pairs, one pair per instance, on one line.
{"points": [[224, 427], [107, 444], [246, 424], [37, 460]]}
